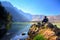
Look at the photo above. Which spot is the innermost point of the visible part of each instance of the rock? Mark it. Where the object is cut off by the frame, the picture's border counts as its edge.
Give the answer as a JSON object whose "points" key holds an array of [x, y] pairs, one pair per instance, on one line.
{"points": [[49, 31], [52, 38], [58, 38], [23, 34], [50, 25], [58, 32]]}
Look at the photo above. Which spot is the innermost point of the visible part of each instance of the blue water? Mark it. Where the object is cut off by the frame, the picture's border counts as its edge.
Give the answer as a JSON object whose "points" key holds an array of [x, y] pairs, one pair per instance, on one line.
{"points": [[18, 27], [16, 31]]}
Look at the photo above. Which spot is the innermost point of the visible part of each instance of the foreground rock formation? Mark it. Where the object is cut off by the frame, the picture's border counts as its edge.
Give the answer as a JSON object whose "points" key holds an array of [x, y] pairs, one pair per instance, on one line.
{"points": [[48, 30]]}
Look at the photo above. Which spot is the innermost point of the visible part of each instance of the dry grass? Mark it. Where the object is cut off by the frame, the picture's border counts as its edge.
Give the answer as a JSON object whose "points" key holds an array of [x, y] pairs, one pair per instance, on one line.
{"points": [[47, 32]]}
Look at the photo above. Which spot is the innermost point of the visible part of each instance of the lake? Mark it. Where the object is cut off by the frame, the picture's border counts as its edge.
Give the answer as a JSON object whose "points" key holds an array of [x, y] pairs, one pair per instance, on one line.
{"points": [[16, 30]]}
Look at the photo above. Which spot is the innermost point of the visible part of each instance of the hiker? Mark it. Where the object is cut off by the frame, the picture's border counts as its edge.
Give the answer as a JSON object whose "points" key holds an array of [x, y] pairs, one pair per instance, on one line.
{"points": [[45, 20]]}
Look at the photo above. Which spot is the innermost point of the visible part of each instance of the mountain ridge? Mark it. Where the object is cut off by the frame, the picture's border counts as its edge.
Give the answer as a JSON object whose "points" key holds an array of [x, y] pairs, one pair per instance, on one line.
{"points": [[18, 15]]}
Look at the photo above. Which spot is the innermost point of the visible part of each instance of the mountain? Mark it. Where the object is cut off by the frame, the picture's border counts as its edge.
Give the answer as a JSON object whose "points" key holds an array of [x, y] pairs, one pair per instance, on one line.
{"points": [[51, 18], [20, 16], [54, 18], [17, 15], [37, 17]]}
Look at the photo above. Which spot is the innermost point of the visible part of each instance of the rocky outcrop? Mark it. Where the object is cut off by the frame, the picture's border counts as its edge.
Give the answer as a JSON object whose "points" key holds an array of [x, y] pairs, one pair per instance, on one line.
{"points": [[49, 31]]}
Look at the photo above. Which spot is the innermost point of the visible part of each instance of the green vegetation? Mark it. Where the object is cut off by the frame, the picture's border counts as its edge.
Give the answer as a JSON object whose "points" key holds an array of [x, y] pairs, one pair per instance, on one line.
{"points": [[9, 20], [39, 37], [58, 24], [5, 18]]}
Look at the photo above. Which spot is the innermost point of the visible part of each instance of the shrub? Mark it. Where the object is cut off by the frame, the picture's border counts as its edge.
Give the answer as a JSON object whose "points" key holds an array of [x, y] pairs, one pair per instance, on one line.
{"points": [[39, 37]]}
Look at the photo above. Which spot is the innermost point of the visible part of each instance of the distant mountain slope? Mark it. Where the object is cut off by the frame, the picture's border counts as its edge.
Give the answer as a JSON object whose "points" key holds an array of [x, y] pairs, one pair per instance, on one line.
{"points": [[37, 17], [18, 15], [51, 18], [54, 18]]}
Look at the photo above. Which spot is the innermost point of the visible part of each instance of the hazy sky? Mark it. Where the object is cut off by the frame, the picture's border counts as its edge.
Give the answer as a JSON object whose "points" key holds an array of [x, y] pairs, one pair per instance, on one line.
{"points": [[38, 7]]}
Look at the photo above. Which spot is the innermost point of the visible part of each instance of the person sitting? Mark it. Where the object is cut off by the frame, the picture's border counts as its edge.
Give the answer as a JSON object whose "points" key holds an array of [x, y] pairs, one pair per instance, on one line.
{"points": [[45, 20]]}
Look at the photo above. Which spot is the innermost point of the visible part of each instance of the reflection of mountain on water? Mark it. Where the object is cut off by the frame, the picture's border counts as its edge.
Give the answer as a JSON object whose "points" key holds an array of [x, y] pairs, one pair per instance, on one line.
{"points": [[17, 30], [17, 16]]}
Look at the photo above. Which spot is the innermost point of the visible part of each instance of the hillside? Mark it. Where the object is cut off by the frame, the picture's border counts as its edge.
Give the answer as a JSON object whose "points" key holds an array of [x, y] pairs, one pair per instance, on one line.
{"points": [[18, 15], [54, 18]]}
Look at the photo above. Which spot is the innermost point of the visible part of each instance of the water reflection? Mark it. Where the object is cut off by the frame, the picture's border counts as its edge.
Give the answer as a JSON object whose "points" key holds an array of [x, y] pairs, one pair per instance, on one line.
{"points": [[17, 30]]}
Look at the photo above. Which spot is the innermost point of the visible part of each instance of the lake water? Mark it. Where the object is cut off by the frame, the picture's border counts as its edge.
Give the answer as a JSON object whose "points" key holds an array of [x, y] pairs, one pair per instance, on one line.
{"points": [[17, 29]]}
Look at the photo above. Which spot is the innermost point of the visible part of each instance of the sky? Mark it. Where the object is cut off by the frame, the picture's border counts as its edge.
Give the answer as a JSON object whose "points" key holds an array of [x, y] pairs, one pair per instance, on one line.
{"points": [[37, 7]]}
